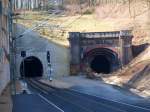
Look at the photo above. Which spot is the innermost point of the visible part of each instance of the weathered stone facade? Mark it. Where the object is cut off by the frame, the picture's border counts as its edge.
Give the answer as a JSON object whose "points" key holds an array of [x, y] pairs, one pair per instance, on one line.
{"points": [[88, 48], [4, 45]]}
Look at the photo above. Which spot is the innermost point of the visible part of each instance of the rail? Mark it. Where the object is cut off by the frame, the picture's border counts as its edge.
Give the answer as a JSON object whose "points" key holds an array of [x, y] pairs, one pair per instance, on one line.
{"points": [[66, 95]]}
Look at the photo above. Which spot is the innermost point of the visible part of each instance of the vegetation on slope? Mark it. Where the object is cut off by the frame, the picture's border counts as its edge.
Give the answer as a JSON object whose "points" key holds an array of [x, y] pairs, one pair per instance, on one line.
{"points": [[107, 17]]}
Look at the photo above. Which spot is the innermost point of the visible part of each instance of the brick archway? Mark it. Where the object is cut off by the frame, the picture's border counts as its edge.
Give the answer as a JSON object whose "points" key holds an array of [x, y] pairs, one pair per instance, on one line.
{"points": [[100, 60]]}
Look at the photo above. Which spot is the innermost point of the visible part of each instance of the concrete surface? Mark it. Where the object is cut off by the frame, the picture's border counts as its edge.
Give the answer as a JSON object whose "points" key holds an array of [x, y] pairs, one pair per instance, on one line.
{"points": [[47, 99], [31, 103], [99, 89], [37, 46]]}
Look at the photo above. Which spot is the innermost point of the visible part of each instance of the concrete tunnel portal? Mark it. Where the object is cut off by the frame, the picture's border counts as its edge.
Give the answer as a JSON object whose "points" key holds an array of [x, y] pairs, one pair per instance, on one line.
{"points": [[102, 60], [31, 67]]}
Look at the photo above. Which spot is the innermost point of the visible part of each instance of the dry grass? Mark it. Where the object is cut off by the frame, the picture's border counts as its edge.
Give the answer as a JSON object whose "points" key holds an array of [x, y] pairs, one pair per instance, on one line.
{"points": [[106, 18], [85, 23]]}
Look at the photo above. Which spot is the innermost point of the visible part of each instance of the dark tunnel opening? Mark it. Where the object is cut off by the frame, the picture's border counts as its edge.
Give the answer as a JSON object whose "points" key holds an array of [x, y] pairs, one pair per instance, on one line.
{"points": [[31, 67], [101, 60], [101, 64]]}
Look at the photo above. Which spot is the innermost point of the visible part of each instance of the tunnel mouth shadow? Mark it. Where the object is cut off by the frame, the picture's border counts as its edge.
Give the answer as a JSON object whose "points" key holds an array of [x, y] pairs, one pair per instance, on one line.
{"points": [[100, 64], [31, 67], [101, 61]]}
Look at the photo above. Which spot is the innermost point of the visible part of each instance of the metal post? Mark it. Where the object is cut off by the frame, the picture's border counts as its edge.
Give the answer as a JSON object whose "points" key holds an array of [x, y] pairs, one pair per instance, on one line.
{"points": [[11, 48], [23, 69], [120, 50]]}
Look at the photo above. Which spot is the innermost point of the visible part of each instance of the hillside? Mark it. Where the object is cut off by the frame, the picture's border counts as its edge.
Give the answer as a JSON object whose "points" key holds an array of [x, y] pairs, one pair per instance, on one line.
{"points": [[134, 16], [107, 17], [135, 75]]}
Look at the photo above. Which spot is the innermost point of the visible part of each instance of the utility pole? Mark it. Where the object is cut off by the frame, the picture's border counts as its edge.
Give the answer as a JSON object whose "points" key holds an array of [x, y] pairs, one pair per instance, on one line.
{"points": [[120, 49], [11, 48]]}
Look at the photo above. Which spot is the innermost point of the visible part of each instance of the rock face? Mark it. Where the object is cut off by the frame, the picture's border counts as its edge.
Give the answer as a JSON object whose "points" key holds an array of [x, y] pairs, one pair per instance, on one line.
{"points": [[37, 47]]}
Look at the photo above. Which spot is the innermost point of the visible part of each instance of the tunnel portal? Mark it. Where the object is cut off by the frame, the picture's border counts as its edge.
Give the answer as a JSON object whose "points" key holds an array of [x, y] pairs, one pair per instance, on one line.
{"points": [[31, 67], [99, 52], [101, 60]]}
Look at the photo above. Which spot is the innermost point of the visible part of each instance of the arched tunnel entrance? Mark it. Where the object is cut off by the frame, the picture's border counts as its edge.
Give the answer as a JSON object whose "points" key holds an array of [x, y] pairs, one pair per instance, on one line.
{"points": [[100, 64], [31, 67], [102, 60]]}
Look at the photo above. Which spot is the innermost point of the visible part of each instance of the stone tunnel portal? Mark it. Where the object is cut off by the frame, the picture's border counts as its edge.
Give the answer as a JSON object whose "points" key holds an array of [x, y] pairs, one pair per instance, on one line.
{"points": [[99, 52], [31, 67], [102, 60]]}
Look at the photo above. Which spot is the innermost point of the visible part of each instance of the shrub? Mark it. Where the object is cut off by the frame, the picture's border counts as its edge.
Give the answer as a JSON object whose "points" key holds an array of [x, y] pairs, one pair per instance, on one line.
{"points": [[88, 11]]}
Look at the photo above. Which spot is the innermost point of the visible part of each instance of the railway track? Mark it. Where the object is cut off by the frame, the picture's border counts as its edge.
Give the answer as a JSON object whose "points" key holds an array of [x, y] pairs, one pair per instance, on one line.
{"points": [[71, 101]]}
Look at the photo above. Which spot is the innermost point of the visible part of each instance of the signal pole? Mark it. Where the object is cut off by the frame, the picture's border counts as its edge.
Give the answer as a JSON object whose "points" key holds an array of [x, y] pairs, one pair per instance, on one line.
{"points": [[11, 48]]}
